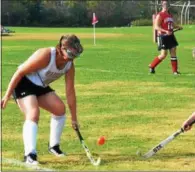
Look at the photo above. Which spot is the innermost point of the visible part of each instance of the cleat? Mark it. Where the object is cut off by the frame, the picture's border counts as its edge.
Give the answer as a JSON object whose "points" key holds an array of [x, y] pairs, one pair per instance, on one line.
{"points": [[176, 73], [31, 159], [151, 70], [55, 150]]}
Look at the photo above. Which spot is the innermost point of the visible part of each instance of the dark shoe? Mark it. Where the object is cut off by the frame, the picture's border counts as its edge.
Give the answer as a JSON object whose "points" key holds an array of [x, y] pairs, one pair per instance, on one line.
{"points": [[176, 73], [56, 151], [31, 159], [151, 70]]}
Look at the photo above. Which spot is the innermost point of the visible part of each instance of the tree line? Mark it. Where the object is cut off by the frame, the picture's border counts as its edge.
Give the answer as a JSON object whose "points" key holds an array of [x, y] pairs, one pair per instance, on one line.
{"points": [[64, 13]]}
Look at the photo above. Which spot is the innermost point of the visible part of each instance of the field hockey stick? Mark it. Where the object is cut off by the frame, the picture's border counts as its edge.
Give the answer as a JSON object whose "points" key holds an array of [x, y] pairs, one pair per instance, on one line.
{"points": [[176, 30], [167, 34], [173, 31], [95, 163], [162, 144]]}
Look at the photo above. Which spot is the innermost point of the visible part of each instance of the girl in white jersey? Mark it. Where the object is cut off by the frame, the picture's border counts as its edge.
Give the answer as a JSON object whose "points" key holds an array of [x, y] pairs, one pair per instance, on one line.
{"points": [[30, 87]]}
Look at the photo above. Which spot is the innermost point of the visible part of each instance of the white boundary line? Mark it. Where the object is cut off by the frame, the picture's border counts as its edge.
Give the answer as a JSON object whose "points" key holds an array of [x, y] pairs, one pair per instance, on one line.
{"points": [[137, 73], [110, 71], [22, 164]]}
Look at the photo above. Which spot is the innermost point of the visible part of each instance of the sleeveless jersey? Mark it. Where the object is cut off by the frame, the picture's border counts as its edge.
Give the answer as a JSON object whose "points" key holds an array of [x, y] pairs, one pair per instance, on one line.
{"points": [[50, 73], [167, 21]]}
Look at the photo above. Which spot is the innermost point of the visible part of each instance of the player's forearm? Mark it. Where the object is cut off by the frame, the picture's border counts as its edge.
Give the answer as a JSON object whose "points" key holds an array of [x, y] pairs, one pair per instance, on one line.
{"points": [[191, 118], [158, 28], [71, 100], [188, 123]]}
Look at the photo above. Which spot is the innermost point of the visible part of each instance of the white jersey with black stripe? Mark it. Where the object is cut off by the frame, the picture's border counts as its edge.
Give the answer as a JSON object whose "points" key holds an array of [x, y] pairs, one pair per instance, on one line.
{"points": [[50, 73]]}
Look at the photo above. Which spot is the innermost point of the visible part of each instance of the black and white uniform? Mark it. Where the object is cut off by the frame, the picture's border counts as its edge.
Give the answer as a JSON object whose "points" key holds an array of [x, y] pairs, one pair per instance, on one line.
{"points": [[37, 83], [166, 42]]}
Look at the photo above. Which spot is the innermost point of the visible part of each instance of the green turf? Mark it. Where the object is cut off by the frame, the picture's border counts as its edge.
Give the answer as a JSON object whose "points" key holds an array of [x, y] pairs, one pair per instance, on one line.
{"points": [[117, 98]]}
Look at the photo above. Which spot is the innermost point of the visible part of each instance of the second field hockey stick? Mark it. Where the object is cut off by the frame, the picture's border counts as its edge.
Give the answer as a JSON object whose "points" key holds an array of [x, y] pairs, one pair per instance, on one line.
{"points": [[92, 160], [156, 39], [173, 31], [177, 30], [162, 144]]}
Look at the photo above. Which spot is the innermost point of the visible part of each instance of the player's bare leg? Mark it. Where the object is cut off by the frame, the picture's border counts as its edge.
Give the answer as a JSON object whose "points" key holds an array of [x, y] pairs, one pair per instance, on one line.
{"points": [[29, 106], [53, 104]]}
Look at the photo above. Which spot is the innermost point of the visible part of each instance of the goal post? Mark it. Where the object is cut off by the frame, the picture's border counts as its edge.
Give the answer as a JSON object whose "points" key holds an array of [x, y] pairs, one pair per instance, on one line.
{"points": [[153, 28]]}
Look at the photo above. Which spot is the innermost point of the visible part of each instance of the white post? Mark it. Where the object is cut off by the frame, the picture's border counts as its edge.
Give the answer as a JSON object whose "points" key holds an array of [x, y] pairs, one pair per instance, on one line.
{"points": [[182, 12], [186, 10], [94, 33], [188, 15], [94, 21], [156, 6]]}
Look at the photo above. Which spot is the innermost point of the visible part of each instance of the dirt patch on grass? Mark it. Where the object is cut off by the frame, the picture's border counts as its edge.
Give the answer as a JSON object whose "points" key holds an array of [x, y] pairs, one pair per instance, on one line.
{"points": [[118, 84]]}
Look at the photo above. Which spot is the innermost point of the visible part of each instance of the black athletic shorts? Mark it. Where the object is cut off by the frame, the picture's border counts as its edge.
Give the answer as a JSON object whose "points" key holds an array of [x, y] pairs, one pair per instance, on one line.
{"points": [[25, 87], [166, 42]]}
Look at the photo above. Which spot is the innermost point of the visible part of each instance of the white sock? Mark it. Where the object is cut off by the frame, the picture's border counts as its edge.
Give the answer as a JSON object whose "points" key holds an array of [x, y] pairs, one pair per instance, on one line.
{"points": [[56, 128], [30, 136]]}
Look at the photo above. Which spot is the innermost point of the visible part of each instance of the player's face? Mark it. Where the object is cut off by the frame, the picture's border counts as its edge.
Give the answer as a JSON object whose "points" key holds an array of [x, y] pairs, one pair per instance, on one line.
{"points": [[68, 53], [165, 5]]}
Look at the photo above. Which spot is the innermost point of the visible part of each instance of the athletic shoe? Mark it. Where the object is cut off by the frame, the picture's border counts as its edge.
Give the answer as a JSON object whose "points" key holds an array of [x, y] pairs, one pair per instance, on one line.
{"points": [[56, 151], [31, 158], [176, 73], [151, 70]]}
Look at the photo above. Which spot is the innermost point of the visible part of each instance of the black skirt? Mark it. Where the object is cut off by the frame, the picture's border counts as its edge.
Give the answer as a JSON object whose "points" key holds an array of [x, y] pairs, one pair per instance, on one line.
{"points": [[166, 42], [25, 87]]}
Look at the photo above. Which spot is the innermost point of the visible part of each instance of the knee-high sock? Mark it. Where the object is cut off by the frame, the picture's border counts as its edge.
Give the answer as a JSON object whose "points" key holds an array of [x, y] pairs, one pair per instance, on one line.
{"points": [[56, 128], [174, 64], [30, 136], [155, 62]]}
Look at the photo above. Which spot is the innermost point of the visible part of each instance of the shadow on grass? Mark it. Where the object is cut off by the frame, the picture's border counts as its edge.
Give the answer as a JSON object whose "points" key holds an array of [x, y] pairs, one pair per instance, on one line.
{"points": [[6, 34], [106, 159], [167, 156]]}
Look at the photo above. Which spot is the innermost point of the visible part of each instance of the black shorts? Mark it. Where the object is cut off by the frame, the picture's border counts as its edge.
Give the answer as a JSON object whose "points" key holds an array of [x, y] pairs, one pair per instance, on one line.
{"points": [[25, 87], [166, 42]]}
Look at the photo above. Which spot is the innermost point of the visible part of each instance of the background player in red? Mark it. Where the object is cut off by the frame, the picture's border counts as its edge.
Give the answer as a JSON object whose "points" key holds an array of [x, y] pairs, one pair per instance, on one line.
{"points": [[164, 25]]}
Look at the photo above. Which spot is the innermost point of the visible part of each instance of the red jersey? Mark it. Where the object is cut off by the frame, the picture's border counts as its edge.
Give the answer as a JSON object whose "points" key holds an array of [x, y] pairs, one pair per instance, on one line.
{"points": [[167, 21]]}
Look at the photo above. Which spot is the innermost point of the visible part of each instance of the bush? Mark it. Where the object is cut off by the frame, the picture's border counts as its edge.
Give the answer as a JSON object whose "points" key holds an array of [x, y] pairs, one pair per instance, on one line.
{"points": [[142, 22], [192, 22]]}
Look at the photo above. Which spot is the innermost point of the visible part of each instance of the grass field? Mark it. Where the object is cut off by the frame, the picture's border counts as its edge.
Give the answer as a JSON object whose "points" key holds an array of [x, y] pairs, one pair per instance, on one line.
{"points": [[117, 98]]}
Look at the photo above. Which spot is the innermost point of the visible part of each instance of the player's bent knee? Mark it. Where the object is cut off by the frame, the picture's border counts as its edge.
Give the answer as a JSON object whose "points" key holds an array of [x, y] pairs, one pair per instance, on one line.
{"points": [[59, 109], [162, 57], [33, 115]]}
